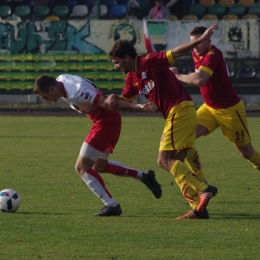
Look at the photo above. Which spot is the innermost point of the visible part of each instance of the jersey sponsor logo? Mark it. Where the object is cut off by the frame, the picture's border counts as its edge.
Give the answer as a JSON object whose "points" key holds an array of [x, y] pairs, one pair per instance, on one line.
{"points": [[86, 95], [147, 88], [144, 75]]}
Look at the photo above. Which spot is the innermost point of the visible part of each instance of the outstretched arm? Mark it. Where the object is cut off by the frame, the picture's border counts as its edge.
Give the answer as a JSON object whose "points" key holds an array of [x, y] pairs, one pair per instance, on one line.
{"points": [[198, 78], [183, 49], [119, 104]]}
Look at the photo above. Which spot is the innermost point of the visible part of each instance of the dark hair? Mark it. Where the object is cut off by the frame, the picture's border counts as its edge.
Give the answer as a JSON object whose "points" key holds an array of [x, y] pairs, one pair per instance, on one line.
{"points": [[198, 30], [122, 48], [43, 83]]}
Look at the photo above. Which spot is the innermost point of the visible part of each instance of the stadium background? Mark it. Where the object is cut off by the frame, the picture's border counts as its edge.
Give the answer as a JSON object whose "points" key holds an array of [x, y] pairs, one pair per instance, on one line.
{"points": [[31, 47]]}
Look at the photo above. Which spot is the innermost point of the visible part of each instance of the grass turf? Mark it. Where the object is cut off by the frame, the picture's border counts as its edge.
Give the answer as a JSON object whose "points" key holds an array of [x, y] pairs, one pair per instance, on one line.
{"points": [[55, 218]]}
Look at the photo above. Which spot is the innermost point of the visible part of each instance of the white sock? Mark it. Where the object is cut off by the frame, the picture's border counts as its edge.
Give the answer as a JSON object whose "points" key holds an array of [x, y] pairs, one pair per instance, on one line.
{"points": [[94, 182]]}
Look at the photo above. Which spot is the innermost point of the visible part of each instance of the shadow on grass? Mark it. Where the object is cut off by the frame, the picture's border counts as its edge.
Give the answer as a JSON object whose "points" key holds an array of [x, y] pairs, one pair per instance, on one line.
{"points": [[242, 216], [211, 217], [40, 213]]}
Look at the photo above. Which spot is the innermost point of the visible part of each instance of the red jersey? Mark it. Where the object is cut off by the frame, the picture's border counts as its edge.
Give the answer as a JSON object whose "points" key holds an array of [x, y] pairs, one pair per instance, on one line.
{"points": [[153, 79], [218, 92]]}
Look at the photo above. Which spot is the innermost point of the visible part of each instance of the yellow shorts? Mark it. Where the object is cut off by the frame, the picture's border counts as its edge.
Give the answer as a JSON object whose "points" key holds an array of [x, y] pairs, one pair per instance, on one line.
{"points": [[180, 128], [232, 121]]}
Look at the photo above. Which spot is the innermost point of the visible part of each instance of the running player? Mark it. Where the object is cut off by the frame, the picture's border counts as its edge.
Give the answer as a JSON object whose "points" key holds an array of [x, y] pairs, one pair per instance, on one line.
{"points": [[223, 107], [84, 97], [149, 75]]}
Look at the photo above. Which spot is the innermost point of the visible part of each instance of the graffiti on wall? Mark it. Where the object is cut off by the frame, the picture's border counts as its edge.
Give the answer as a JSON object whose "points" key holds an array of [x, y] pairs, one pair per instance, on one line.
{"points": [[83, 36], [98, 36], [42, 37]]}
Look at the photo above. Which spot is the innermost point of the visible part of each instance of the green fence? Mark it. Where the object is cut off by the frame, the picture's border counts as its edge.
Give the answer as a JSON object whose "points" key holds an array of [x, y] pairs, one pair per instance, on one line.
{"points": [[18, 72]]}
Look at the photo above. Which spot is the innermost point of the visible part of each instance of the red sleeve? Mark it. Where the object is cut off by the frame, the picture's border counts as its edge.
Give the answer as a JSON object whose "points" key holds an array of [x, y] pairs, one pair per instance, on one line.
{"points": [[209, 63], [95, 101], [130, 92], [157, 60]]}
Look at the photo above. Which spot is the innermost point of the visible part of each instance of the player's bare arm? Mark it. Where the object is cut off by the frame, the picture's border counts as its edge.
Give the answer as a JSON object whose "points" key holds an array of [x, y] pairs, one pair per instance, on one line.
{"points": [[187, 47], [198, 78], [111, 101], [123, 105]]}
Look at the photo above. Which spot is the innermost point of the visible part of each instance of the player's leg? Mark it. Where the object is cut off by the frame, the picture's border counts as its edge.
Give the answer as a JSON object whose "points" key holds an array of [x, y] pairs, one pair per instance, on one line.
{"points": [[235, 129], [85, 161], [248, 152], [96, 143], [201, 130], [178, 135], [192, 160], [105, 139], [103, 165], [206, 124]]}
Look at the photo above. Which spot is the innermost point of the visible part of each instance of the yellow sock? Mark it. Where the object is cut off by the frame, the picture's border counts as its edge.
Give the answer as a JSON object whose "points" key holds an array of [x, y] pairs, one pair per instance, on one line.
{"points": [[255, 160], [191, 196], [188, 182], [193, 162]]}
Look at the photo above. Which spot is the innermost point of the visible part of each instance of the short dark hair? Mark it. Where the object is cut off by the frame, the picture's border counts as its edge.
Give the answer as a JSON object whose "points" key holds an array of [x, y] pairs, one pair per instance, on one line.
{"points": [[198, 30], [122, 48], [43, 84]]}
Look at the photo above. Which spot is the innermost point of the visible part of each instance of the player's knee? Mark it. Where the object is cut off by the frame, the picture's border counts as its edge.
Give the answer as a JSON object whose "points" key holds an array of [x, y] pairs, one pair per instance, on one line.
{"points": [[162, 164], [80, 169], [98, 168], [246, 151], [246, 155]]}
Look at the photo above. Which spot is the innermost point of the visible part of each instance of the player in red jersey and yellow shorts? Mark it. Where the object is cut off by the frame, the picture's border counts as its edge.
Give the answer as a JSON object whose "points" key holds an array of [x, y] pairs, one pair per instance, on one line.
{"points": [[149, 75], [222, 108]]}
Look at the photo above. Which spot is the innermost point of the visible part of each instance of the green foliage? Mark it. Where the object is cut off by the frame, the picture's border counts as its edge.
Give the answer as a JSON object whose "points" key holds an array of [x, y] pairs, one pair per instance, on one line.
{"points": [[55, 218]]}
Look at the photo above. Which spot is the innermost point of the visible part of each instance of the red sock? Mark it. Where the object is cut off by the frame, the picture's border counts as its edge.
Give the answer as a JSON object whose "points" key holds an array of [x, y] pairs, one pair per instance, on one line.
{"points": [[119, 169]]}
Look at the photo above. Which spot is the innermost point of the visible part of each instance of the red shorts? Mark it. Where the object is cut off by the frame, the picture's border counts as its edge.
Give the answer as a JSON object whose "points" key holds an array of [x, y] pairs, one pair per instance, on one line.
{"points": [[105, 132]]}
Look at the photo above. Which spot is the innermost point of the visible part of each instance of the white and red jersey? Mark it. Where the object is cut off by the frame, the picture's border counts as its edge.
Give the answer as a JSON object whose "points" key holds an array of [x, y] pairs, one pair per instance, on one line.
{"points": [[106, 127], [78, 91]]}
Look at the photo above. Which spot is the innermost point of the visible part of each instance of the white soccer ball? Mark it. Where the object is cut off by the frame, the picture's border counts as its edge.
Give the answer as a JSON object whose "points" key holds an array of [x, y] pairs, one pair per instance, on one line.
{"points": [[9, 200]]}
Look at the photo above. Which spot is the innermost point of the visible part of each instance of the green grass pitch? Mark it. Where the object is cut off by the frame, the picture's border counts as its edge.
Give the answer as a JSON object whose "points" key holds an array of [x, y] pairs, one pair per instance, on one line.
{"points": [[55, 218]]}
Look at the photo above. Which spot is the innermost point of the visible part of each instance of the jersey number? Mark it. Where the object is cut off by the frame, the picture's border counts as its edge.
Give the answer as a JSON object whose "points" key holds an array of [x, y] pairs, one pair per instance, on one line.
{"points": [[240, 135]]}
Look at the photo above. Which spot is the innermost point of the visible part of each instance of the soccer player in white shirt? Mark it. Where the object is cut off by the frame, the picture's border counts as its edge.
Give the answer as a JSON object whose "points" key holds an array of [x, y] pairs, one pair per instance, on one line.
{"points": [[82, 95]]}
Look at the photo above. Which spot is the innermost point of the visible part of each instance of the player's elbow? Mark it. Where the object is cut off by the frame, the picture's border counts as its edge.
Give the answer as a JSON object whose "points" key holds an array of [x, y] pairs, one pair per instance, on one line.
{"points": [[177, 55], [201, 82], [198, 80]]}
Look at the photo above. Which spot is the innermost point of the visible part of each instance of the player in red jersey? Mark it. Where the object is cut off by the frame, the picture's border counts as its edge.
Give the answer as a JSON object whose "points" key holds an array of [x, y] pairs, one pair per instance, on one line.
{"points": [[222, 108], [149, 75], [82, 95]]}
